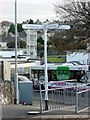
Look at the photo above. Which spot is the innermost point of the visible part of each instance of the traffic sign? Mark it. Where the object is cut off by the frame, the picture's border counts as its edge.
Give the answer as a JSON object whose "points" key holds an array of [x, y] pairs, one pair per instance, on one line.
{"points": [[32, 26], [37, 27], [45, 27], [52, 26], [64, 27]]}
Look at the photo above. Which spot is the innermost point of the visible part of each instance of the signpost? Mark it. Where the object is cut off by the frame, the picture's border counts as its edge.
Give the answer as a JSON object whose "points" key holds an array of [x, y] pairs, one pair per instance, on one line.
{"points": [[45, 28], [38, 26]]}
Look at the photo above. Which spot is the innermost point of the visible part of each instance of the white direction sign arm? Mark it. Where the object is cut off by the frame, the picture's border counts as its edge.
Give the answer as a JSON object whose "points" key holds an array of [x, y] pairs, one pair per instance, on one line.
{"points": [[32, 26], [64, 27], [52, 26], [38, 27], [47, 26]]}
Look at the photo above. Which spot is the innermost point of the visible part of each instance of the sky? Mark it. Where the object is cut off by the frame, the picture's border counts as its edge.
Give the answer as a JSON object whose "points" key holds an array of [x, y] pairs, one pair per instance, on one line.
{"points": [[28, 9]]}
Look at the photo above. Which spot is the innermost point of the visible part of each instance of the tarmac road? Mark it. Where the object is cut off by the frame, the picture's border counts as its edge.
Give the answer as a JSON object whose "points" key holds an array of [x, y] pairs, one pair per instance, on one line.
{"points": [[16, 112]]}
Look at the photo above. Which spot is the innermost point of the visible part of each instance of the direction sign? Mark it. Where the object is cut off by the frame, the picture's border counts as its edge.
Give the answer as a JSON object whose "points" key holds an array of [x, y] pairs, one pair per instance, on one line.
{"points": [[32, 26], [52, 26], [64, 27], [37, 27], [45, 27]]}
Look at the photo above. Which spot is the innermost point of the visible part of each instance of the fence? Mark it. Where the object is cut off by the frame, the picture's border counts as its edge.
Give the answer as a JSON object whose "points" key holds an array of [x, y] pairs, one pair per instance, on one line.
{"points": [[58, 98], [82, 97], [73, 95]]}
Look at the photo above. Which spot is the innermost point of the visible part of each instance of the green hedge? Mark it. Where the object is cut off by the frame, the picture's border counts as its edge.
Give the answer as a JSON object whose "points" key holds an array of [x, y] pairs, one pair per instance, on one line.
{"points": [[55, 59]]}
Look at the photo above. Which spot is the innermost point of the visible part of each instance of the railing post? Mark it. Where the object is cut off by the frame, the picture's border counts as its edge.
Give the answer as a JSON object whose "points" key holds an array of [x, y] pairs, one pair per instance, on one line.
{"points": [[40, 98], [76, 106]]}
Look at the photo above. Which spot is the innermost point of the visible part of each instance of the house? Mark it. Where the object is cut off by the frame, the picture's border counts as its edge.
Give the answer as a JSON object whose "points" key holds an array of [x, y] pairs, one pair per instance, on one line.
{"points": [[10, 52], [80, 56], [5, 25]]}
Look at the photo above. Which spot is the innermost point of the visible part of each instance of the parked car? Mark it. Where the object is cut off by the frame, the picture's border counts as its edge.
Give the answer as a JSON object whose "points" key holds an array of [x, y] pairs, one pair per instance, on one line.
{"points": [[23, 78]]}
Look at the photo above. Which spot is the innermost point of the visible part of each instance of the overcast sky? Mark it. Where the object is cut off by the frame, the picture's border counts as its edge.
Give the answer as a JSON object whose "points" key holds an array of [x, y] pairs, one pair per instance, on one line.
{"points": [[28, 9]]}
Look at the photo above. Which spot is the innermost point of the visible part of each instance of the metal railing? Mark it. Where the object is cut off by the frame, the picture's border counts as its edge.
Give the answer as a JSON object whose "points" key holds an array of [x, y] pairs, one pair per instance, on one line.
{"points": [[82, 97], [74, 96], [58, 98]]}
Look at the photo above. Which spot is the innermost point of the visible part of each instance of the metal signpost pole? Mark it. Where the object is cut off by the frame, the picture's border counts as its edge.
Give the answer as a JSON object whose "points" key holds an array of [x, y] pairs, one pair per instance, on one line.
{"points": [[45, 61], [16, 73]]}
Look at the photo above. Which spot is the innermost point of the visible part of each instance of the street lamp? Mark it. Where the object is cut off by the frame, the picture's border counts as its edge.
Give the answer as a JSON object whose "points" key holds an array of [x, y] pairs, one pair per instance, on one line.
{"points": [[16, 73]]}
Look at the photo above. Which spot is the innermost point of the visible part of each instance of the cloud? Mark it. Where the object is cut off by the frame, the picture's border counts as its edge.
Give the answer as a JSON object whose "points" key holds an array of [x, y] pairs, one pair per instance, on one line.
{"points": [[27, 9]]}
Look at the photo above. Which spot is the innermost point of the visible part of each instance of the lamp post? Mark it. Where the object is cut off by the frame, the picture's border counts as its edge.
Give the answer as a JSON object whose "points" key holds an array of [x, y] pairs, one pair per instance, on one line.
{"points": [[16, 73]]}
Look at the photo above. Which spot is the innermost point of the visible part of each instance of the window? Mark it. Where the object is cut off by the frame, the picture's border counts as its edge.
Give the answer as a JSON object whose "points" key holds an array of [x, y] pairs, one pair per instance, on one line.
{"points": [[25, 52]]}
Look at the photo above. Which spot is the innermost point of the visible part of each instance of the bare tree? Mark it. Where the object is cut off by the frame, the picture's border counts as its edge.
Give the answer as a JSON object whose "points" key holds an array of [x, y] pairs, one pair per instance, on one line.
{"points": [[76, 11], [77, 14]]}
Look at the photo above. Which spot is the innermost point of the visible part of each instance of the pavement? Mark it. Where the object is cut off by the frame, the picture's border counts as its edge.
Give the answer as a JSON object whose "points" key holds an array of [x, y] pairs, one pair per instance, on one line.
{"points": [[16, 112]]}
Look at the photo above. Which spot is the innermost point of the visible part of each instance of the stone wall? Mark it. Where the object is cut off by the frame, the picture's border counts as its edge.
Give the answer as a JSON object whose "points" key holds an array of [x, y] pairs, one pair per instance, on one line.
{"points": [[7, 92]]}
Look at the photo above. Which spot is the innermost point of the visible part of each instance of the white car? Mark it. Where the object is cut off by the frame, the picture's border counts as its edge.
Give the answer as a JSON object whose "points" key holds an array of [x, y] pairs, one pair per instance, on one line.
{"points": [[22, 78]]}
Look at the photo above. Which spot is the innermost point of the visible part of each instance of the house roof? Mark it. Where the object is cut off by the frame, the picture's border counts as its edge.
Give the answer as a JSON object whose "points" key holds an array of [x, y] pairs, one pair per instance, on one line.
{"points": [[7, 38], [5, 23], [22, 34]]}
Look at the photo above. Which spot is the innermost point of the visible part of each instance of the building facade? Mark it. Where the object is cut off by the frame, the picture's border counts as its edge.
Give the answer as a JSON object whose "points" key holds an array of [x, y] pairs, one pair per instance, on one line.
{"points": [[31, 49]]}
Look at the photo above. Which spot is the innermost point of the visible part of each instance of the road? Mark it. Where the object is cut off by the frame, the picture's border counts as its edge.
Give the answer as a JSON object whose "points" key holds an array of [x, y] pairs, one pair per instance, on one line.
{"points": [[10, 112], [20, 111]]}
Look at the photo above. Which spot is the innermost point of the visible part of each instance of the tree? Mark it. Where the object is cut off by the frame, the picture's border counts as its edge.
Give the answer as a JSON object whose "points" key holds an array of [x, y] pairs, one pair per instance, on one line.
{"points": [[40, 47], [41, 54], [68, 40], [77, 14], [40, 41], [12, 28], [11, 44], [31, 21], [20, 44], [19, 27], [62, 40]]}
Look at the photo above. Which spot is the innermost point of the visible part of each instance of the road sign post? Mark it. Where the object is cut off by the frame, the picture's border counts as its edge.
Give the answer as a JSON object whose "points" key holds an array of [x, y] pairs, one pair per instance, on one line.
{"points": [[46, 75], [45, 28]]}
